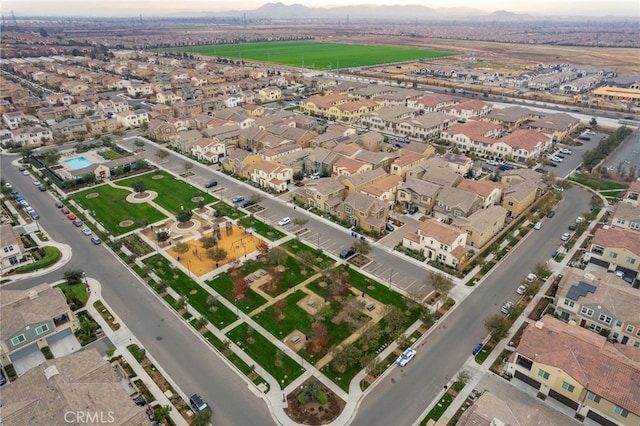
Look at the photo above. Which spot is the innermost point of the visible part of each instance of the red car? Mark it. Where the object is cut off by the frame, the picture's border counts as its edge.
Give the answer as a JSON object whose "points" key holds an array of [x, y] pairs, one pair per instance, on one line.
{"points": [[65, 210], [71, 216]]}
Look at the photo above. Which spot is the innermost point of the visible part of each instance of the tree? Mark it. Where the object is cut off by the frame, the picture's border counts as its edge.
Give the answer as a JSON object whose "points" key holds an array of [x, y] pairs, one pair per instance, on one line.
{"points": [[593, 122], [217, 254], [50, 158], [256, 198], [497, 326], [277, 256], [139, 143], [541, 270], [319, 337], [371, 336], [187, 166], [162, 236], [240, 285], [73, 276], [463, 377], [208, 242], [338, 281], [361, 246], [181, 248], [345, 358], [262, 247], [275, 277], [441, 283], [162, 155], [395, 321], [307, 259], [161, 413], [184, 216], [351, 306], [139, 186], [278, 309], [201, 418], [427, 317]]}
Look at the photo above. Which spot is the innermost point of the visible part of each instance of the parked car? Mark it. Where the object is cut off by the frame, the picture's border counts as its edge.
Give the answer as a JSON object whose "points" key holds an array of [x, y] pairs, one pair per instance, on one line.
{"points": [[579, 219], [284, 221], [478, 348], [537, 226], [77, 222], [20, 168], [34, 215], [65, 210], [405, 357], [492, 163], [246, 203], [572, 227], [565, 236], [95, 240], [42, 188], [237, 199], [348, 252], [8, 185], [198, 404], [557, 188], [506, 167], [59, 204], [412, 209], [551, 214], [390, 227], [211, 184], [522, 289], [315, 176], [559, 155], [71, 216], [86, 231], [37, 182], [579, 143], [566, 151], [506, 308], [556, 159], [25, 172], [531, 277]]}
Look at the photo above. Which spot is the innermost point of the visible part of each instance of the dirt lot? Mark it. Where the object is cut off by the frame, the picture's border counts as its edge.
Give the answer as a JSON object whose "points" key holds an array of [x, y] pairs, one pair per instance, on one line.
{"points": [[620, 59]]}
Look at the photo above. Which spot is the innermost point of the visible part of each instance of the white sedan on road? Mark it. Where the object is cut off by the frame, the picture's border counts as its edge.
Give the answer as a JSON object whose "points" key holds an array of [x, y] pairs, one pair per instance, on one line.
{"points": [[405, 357], [284, 221]]}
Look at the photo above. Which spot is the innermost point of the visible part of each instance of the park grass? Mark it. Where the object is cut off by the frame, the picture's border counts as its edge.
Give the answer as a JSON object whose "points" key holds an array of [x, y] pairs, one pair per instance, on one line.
{"points": [[78, 290], [598, 184], [316, 55], [261, 228], [376, 290], [296, 246], [110, 217], [295, 318], [224, 286], [110, 155], [229, 211], [173, 194], [265, 353], [51, 256], [195, 295]]}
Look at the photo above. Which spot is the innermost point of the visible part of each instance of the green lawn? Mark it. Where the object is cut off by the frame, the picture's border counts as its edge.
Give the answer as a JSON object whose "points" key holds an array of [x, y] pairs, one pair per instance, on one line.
{"points": [[296, 246], [265, 353], [51, 256], [261, 228], [229, 211], [78, 291], [438, 410], [376, 290], [196, 296], [224, 286], [110, 217], [173, 194], [317, 55], [598, 184], [295, 318]]}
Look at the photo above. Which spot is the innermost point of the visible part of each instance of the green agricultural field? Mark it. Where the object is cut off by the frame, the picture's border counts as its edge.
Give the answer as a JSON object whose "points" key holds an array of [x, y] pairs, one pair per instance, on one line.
{"points": [[321, 56], [110, 217]]}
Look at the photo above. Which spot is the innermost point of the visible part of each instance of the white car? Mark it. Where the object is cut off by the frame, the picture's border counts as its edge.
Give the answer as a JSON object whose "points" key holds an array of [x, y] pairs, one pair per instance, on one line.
{"points": [[506, 308], [492, 163], [406, 356], [537, 226], [284, 221], [579, 219], [37, 183], [556, 159], [25, 172], [565, 236], [566, 151], [86, 231], [522, 289]]}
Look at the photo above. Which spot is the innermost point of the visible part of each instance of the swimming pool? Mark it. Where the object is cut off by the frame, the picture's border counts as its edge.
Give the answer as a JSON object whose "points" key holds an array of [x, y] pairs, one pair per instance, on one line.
{"points": [[78, 163]]}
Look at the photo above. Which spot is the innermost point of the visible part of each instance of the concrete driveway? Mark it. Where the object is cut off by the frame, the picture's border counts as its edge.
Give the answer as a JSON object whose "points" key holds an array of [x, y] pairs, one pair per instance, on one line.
{"points": [[65, 346], [27, 362]]}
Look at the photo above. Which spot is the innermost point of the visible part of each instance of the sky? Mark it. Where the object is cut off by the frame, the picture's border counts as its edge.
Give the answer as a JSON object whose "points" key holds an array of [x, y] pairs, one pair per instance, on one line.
{"points": [[166, 7]]}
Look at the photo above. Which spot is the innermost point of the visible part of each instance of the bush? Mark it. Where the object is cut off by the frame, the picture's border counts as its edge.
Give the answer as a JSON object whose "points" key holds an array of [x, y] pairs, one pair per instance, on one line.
{"points": [[46, 351], [487, 267]]}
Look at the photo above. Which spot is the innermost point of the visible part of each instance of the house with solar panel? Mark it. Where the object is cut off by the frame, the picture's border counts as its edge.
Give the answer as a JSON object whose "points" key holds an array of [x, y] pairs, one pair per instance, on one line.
{"points": [[602, 302]]}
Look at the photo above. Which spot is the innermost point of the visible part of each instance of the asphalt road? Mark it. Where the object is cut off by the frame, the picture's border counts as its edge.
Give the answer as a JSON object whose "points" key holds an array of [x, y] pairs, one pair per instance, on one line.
{"points": [[189, 361], [402, 395]]}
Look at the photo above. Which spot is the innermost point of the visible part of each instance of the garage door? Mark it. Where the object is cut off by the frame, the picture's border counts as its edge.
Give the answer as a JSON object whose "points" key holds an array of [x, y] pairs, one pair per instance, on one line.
{"points": [[528, 380], [599, 262], [563, 399], [24, 352], [58, 336], [599, 419]]}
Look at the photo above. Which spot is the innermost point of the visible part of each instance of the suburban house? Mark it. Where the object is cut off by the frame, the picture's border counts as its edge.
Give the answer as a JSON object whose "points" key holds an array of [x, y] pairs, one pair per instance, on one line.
{"points": [[426, 126], [418, 193], [240, 162], [439, 242], [209, 150], [452, 203], [272, 175], [482, 225], [437, 171], [31, 135], [626, 216], [358, 181], [13, 252], [458, 163], [99, 123], [323, 194], [13, 119], [33, 319], [526, 144], [69, 128], [185, 139], [346, 166], [161, 130], [511, 118], [270, 94], [633, 193], [617, 250], [489, 191], [385, 189], [71, 389], [363, 211], [557, 125], [601, 302], [407, 161], [518, 197], [132, 119], [577, 368]]}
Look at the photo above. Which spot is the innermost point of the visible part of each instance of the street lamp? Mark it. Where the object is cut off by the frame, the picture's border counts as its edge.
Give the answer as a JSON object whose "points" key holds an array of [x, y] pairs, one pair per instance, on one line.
{"points": [[284, 399]]}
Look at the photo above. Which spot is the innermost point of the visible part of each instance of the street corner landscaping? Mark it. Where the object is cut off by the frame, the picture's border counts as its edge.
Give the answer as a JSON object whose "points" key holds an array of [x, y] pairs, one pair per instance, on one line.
{"points": [[313, 404]]}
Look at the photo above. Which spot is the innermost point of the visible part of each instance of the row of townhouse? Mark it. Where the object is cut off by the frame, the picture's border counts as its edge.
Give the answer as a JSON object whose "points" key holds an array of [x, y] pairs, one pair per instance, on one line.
{"points": [[579, 369]]}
